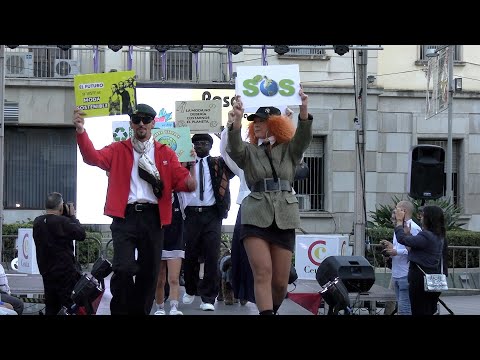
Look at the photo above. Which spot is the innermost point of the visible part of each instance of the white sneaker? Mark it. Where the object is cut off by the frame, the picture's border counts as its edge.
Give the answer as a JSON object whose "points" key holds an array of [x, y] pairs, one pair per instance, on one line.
{"points": [[207, 307], [188, 299], [160, 312], [175, 312]]}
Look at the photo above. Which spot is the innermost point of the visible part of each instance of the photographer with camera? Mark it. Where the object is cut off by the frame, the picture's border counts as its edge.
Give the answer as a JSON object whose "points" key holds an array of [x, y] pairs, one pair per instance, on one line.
{"points": [[400, 263], [54, 234]]}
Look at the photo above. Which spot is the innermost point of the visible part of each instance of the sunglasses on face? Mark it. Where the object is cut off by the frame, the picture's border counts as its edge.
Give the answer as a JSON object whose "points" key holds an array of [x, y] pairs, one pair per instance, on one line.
{"points": [[143, 118], [201, 143]]}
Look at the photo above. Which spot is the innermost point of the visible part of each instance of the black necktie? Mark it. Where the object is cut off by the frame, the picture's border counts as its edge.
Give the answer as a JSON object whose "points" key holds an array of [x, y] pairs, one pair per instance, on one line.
{"points": [[201, 179]]}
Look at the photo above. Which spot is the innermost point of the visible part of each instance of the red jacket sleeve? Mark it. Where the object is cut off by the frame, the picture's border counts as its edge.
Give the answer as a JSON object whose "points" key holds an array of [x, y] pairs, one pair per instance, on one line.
{"points": [[101, 158], [179, 174]]}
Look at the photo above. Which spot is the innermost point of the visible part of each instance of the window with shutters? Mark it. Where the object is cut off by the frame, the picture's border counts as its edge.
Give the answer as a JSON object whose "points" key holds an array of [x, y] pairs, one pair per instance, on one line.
{"points": [[37, 162], [457, 56], [311, 191]]}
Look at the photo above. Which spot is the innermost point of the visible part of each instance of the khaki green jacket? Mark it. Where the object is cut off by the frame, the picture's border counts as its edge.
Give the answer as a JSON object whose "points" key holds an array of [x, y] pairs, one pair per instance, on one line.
{"points": [[261, 208]]}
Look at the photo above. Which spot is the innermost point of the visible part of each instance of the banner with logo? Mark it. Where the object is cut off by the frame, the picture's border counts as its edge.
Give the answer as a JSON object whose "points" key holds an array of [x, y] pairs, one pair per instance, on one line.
{"points": [[178, 139], [27, 254], [105, 94], [311, 250], [268, 85]]}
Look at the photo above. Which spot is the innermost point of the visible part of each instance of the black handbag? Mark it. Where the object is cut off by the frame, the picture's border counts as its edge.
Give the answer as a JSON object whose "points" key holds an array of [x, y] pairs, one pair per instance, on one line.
{"points": [[301, 171]]}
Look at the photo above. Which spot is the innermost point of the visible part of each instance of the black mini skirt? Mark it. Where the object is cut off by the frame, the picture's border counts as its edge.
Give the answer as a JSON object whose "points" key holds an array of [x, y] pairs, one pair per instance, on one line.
{"points": [[284, 238]]}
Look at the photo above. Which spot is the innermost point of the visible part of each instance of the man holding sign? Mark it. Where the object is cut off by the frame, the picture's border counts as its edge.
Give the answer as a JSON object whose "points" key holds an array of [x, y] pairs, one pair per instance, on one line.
{"points": [[142, 175]]}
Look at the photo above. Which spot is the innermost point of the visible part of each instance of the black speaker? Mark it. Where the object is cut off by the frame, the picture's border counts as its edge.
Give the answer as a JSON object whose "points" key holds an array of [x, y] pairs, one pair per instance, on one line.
{"points": [[355, 272], [426, 173]]}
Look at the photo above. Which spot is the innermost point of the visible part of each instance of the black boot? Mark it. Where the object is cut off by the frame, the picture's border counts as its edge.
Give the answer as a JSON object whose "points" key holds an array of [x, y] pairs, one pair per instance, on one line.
{"points": [[267, 312]]}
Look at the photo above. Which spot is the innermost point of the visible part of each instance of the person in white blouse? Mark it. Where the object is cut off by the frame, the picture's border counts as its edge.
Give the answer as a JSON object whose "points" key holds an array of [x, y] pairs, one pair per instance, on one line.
{"points": [[400, 262]]}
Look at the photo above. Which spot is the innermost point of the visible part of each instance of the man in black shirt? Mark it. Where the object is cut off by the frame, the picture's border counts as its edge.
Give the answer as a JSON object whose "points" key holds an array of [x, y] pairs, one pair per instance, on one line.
{"points": [[54, 234]]}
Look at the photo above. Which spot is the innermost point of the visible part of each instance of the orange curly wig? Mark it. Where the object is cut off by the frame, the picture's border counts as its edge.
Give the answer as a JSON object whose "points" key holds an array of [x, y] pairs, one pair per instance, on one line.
{"points": [[279, 126]]}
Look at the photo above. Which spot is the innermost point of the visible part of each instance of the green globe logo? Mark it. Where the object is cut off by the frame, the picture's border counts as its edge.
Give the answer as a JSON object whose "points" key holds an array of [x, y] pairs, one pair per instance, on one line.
{"points": [[168, 140], [120, 134]]}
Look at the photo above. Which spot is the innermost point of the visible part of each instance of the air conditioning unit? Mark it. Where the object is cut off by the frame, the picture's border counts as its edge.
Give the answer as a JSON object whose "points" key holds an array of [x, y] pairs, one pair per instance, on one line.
{"points": [[65, 68], [303, 202], [18, 64]]}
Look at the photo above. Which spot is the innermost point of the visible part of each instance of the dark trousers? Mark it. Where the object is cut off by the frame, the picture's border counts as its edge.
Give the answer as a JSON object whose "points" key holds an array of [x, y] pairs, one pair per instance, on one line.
{"points": [[14, 301], [242, 276], [202, 234], [421, 301], [133, 282], [58, 291]]}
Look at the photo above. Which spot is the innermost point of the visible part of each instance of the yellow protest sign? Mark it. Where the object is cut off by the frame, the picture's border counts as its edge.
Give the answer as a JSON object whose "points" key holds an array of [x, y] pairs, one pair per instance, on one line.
{"points": [[105, 94]]}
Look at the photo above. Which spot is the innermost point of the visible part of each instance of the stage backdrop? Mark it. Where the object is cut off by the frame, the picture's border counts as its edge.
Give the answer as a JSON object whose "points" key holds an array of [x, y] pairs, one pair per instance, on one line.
{"points": [[92, 181]]}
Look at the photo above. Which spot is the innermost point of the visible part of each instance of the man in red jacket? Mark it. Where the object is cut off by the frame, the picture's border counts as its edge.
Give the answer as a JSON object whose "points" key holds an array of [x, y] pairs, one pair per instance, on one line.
{"points": [[142, 175]]}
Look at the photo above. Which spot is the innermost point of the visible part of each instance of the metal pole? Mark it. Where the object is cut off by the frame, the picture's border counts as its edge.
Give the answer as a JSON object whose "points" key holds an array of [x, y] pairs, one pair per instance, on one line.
{"points": [[449, 192], [359, 250], [2, 138]]}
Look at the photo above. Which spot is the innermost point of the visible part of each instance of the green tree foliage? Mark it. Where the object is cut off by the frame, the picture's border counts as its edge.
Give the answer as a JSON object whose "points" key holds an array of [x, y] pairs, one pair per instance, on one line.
{"points": [[86, 251], [381, 216]]}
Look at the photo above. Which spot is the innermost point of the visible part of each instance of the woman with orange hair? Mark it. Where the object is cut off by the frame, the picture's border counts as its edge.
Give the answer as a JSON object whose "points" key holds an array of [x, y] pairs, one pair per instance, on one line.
{"points": [[270, 213]]}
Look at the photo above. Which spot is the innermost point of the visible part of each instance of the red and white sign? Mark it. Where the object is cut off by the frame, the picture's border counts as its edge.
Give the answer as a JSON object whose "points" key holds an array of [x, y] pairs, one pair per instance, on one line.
{"points": [[27, 254], [311, 250]]}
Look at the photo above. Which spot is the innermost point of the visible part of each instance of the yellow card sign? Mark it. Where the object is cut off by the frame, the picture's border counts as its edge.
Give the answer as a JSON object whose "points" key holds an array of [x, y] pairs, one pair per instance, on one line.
{"points": [[105, 94], [200, 116]]}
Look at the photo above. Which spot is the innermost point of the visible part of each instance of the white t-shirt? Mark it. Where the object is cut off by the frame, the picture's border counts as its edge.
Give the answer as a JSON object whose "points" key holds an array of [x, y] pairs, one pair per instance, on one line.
{"points": [[4, 281], [400, 262]]}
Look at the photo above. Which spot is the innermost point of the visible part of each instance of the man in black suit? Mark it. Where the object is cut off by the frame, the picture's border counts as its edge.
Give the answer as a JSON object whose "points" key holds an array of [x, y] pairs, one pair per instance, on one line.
{"points": [[203, 224]]}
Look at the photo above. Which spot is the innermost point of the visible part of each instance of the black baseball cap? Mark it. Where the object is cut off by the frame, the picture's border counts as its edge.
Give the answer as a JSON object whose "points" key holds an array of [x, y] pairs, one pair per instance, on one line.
{"points": [[145, 109], [264, 113], [200, 137]]}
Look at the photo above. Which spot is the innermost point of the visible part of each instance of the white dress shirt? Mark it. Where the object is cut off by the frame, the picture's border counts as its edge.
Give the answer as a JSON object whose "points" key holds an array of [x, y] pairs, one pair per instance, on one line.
{"points": [[400, 262]]}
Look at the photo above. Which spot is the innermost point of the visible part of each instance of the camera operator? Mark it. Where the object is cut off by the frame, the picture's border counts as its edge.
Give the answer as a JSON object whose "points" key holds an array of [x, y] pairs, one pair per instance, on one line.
{"points": [[54, 234]]}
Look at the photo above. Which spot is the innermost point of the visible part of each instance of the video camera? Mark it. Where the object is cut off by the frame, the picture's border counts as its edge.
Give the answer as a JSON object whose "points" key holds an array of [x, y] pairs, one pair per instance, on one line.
{"points": [[89, 288], [66, 209]]}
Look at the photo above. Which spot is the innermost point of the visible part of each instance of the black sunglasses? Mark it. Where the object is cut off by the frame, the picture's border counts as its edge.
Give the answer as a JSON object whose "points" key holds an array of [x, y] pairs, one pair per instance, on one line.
{"points": [[146, 119], [201, 143]]}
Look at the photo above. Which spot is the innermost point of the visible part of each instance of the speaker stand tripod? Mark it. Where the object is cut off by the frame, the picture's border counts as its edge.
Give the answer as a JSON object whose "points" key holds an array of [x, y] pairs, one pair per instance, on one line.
{"points": [[439, 300]]}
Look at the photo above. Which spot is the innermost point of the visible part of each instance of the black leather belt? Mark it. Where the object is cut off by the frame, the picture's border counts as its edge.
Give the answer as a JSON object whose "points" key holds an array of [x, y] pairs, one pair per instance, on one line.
{"points": [[200, 209], [269, 185], [141, 206]]}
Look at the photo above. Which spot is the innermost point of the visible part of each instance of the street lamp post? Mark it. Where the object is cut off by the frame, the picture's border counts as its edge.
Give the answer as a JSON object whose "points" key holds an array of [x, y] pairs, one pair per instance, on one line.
{"points": [[448, 192]]}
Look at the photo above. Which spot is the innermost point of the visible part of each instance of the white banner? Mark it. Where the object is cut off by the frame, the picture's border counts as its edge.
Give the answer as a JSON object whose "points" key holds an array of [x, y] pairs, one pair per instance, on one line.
{"points": [[437, 83], [27, 254], [311, 250], [268, 85]]}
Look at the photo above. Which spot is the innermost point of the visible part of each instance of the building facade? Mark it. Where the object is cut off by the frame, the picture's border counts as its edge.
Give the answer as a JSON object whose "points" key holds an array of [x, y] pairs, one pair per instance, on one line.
{"points": [[40, 148]]}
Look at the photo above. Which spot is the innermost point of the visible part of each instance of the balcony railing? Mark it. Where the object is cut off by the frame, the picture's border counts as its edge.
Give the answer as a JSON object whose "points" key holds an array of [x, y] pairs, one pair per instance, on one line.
{"points": [[464, 265], [178, 65], [174, 66]]}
